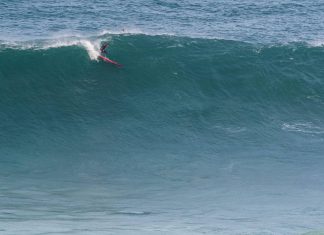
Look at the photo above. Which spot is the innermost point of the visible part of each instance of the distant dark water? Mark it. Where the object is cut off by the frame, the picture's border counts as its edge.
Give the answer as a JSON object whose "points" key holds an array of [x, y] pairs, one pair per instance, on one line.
{"points": [[256, 21], [194, 135]]}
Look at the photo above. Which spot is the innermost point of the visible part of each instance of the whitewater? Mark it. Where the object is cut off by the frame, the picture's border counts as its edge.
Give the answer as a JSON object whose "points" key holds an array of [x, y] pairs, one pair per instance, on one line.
{"points": [[214, 125]]}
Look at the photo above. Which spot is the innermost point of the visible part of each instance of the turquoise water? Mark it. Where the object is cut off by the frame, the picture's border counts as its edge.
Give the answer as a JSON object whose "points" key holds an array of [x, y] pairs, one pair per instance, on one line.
{"points": [[213, 126]]}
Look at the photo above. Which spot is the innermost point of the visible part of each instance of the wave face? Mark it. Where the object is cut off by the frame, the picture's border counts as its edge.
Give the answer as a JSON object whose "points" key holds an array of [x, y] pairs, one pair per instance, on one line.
{"points": [[211, 118]]}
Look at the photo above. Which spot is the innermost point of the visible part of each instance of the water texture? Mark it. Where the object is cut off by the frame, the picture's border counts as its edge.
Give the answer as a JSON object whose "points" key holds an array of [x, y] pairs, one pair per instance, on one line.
{"points": [[214, 125]]}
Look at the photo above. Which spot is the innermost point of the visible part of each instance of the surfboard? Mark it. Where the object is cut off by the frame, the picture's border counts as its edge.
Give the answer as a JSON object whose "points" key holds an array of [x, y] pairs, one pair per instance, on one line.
{"points": [[110, 61]]}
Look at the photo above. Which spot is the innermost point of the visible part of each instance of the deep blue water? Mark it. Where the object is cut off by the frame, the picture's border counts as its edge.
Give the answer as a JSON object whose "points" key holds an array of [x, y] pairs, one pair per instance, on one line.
{"points": [[215, 124]]}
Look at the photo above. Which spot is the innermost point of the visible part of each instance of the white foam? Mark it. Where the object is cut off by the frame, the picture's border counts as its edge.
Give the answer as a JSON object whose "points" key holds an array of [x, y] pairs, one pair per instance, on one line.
{"points": [[316, 43], [92, 49], [91, 46], [304, 127], [122, 31]]}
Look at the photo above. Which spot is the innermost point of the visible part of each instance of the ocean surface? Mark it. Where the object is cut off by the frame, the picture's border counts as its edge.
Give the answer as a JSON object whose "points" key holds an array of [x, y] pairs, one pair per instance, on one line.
{"points": [[214, 125]]}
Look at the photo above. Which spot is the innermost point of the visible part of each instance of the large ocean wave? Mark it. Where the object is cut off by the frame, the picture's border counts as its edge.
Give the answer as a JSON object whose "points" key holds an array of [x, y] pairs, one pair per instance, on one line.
{"points": [[180, 73], [169, 90], [189, 128]]}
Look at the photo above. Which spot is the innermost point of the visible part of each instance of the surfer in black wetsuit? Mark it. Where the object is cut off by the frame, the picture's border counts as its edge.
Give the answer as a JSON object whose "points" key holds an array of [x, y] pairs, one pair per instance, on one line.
{"points": [[103, 55], [103, 48]]}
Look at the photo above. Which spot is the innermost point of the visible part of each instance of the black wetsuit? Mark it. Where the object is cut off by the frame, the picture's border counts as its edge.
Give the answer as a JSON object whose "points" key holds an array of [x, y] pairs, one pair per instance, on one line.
{"points": [[103, 49]]}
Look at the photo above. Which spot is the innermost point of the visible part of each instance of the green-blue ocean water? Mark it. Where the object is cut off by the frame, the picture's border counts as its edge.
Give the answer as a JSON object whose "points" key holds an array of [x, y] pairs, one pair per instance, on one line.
{"points": [[193, 135]]}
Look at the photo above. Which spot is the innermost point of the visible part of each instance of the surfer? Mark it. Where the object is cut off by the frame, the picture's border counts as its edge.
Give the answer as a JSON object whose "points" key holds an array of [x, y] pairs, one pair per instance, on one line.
{"points": [[103, 48], [103, 55]]}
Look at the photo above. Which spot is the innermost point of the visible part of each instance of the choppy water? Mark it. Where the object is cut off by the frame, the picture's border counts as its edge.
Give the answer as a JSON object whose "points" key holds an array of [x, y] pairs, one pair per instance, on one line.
{"points": [[213, 126], [265, 21]]}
